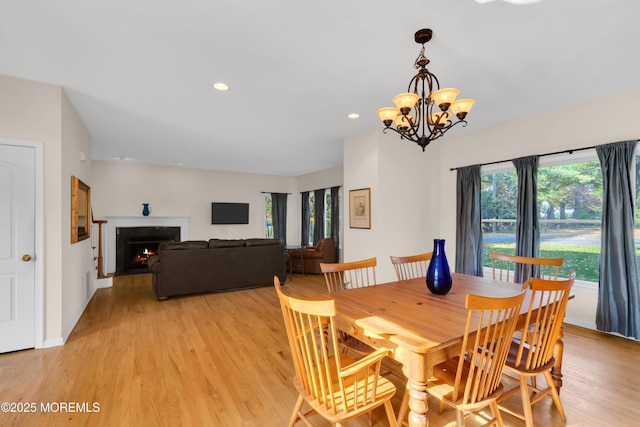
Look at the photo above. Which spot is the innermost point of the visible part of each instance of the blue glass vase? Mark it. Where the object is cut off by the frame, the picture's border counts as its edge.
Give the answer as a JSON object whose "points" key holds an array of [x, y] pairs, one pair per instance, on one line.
{"points": [[439, 278], [145, 209]]}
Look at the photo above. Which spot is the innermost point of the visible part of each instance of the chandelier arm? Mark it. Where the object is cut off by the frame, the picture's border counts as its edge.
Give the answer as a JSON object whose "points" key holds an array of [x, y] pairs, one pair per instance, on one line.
{"points": [[425, 125], [403, 135]]}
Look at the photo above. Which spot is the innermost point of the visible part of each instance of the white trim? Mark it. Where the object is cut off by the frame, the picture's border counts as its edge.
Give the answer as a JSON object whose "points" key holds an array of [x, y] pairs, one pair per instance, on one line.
{"points": [[55, 342], [584, 286], [581, 323], [114, 222], [106, 282], [568, 159], [39, 235], [76, 319]]}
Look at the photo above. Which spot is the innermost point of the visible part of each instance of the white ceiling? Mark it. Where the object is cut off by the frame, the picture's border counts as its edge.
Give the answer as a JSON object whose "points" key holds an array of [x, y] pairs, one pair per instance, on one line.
{"points": [[139, 72]]}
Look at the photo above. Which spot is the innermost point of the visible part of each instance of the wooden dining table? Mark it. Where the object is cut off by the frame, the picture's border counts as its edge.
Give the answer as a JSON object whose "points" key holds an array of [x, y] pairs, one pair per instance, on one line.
{"points": [[419, 328]]}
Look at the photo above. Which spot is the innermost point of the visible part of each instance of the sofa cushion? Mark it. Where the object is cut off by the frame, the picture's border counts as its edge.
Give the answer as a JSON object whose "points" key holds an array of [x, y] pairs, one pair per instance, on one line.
{"points": [[186, 245], [225, 243], [261, 242]]}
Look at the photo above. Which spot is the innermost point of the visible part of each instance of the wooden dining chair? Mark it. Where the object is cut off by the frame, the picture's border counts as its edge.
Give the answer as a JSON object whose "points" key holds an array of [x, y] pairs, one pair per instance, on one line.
{"points": [[336, 386], [519, 269], [349, 275], [471, 381], [412, 266], [531, 353]]}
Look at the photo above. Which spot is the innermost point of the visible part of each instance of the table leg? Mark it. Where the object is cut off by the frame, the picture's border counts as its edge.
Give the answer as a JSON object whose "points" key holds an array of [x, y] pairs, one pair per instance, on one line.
{"points": [[418, 405], [556, 369]]}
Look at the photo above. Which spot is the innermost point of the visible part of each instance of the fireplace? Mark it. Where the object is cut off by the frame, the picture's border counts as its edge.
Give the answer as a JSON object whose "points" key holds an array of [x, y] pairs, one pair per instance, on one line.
{"points": [[134, 246]]}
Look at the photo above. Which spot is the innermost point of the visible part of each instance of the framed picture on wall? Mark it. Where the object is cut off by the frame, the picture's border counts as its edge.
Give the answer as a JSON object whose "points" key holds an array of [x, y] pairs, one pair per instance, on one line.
{"points": [[360, 208], [80, 210]]}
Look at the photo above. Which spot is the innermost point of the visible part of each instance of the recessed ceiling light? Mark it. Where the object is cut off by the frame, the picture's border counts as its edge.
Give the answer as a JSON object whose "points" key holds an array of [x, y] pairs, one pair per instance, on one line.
{"points": [[220, 86], [511, 1], [353, 115]]}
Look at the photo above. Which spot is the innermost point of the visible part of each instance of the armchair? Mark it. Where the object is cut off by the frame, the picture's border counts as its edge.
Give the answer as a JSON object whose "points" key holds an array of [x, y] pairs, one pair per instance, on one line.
{"points": [[308, 259]]}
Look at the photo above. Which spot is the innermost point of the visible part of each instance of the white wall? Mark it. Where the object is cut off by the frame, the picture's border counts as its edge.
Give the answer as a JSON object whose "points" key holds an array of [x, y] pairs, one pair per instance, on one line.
{"points": [[326, 178], [120, 188], [41, 112], [367, 165], [402, 199], [78, 271]]}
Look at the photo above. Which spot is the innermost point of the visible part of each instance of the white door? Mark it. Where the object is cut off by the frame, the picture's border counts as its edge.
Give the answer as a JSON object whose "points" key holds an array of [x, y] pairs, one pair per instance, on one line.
{"points": [[17, 246]]}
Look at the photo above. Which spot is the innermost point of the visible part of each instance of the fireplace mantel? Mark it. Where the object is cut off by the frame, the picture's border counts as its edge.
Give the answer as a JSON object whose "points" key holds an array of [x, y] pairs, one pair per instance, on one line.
{"points": [[114, 222]]}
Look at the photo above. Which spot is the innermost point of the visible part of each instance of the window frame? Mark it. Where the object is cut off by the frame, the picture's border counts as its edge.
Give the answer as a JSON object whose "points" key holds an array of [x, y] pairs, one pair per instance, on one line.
{"points": [[547, 161]]}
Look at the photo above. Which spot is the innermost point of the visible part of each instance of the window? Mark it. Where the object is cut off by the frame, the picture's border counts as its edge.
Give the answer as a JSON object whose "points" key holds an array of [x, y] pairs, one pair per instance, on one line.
{"points": [[570, 212], [499, 195], [268, 218], [327, 219], [312, 217], [570, 206]]}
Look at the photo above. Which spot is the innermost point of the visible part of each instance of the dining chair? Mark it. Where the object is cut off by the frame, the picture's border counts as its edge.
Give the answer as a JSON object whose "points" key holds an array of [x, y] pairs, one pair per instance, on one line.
{"points": [[349, 275], [359, 274], [412, 266], [336, 386], [531, 353], [472, 380], [519, 269]]}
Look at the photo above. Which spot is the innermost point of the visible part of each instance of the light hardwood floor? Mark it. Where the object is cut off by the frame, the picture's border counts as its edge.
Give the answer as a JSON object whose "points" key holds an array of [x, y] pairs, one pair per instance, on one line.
{"points": [[223, 360]]}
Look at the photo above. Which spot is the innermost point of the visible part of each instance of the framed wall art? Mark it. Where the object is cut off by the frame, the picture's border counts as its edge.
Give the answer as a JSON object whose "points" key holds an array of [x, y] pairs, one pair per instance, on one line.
{"points": [[80, 210], [360, 208]]}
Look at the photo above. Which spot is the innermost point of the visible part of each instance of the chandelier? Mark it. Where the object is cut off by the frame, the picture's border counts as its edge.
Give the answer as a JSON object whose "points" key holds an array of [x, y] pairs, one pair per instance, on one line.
{"points": [[435, 110]]}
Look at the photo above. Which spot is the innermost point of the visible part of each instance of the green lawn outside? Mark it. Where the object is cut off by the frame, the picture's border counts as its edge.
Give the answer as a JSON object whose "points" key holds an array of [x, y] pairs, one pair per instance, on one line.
{"points": [[583, 259]]}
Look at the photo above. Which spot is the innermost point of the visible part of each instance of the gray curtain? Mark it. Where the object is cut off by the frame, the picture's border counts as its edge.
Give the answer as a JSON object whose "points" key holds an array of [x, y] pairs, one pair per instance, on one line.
{"points": [[279, 216], [318, 215], [335, 218], [306, 219], [469, 225], [527, 225], [618, 308]]}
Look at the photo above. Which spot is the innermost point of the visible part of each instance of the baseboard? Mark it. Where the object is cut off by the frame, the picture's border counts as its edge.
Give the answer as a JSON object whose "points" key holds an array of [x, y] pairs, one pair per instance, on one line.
{"points": [[581, 323], [73, 324], [55, 342], [105, 282]]}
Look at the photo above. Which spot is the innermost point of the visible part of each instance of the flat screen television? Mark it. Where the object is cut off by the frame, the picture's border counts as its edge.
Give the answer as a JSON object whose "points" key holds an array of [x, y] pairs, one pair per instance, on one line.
{"points": [[229, 213]]}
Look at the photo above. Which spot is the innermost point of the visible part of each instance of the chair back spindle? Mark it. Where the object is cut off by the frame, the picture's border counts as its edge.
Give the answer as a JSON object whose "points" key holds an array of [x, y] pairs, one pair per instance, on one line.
{"points": [[349, 275], [519, 269], [336, 386], [472, 380], [412, 266], [532, 349]]}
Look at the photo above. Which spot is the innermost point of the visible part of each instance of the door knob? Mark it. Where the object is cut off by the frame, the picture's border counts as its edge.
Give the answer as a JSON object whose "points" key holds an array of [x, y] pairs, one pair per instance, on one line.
{"points": [[26, 257]]}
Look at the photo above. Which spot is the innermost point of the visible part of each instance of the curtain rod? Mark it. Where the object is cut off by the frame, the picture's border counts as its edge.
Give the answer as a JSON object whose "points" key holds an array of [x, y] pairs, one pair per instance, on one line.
{"points": [[269, 192], [571, 151]]}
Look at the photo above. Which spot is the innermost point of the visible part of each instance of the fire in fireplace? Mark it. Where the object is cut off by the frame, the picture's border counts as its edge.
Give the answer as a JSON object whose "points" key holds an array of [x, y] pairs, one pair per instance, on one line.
{"points": [[134, 246]]}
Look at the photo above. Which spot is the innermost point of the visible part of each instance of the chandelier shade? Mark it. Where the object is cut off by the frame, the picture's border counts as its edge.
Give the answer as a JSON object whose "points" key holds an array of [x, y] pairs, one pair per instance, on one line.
{"points": [[461, 107], [434, 110], [405, 101], [388, 114]]}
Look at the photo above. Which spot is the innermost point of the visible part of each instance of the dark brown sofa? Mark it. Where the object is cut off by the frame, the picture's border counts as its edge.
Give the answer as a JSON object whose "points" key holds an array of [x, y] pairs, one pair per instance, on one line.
{"points": [[308, 259], [193, 267]]}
